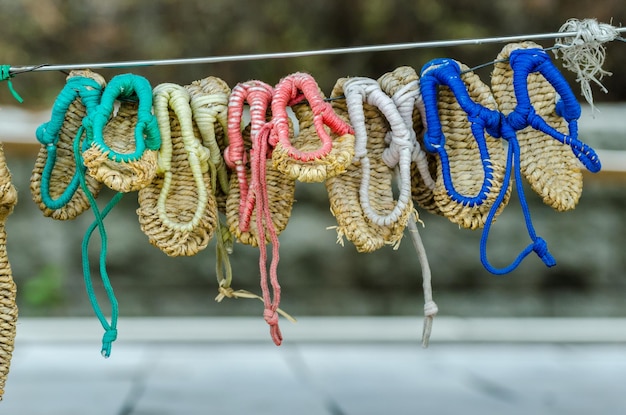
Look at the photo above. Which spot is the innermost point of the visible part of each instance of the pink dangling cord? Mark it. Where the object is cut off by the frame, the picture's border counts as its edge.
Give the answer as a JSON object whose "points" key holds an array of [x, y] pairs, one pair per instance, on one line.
{"points": [[258, 95], [293, 89]]}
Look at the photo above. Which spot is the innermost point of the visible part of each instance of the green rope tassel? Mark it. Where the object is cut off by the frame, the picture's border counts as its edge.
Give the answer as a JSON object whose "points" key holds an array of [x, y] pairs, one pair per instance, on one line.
{"points": [[110, 329]]}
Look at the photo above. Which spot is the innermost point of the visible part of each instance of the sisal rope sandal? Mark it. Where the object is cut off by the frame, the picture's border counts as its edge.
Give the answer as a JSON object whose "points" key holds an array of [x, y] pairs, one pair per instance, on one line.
{"points": [[461, 125], [361, 199], [8, 306], [402, 85], [540, 106], [324, 146], [122, 151], [260, 199], [209, 108], [177, 211], [526, 130], [54, 182]]}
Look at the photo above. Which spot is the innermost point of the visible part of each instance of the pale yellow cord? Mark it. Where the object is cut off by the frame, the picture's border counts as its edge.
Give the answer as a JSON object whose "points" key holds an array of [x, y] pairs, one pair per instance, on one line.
{"points": [[207, 110], [171, 96]]}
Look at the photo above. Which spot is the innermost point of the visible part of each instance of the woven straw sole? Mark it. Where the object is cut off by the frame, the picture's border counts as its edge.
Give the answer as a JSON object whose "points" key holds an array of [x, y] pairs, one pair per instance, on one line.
{"points": [[119, 135], [307, 140], [65, 165], [550, 167], [343, 190], [466, 166], [280, 189], [8, 306], [176, 234]]}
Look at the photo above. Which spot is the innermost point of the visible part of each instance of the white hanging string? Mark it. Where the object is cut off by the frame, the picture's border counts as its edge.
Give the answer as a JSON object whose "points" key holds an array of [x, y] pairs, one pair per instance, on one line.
{"points": [[14, 70], [584, 53]]}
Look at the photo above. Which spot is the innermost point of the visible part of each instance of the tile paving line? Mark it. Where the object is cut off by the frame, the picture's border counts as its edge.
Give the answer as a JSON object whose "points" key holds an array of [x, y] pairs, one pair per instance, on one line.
{"points": [[329, 329]]}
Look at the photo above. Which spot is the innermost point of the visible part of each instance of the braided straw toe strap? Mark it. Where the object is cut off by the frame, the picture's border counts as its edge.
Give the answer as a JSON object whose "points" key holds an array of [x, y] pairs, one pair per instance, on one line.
{"points": [[123, 150], [402, 85], [209, 108], [539, 104], [54, 182], [314, 155], [8, 306], [462, 122], [398, 154], [178, 210]]}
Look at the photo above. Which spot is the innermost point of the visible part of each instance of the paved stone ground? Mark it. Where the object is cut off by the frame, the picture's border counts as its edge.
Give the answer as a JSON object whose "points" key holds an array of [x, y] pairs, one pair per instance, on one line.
{"points": [[64, 375]]}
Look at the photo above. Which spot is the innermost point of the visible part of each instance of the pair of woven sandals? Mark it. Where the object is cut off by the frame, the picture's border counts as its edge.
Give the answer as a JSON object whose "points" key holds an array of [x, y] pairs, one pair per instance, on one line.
{"points": [[172, 157], [118, 150], [267, 158], [107, 134], [532, 108]]}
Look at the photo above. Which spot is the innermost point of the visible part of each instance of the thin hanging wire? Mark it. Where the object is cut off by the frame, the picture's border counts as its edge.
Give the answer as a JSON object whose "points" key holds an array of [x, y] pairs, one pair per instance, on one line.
{"points": [[14, 70]]}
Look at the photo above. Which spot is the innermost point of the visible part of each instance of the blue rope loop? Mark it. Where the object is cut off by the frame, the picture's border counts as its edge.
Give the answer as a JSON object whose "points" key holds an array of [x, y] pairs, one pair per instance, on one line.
{"points": [[535, 60], [447, 72], [147, 136], [110, 329], [89, 92], [538, 244]]}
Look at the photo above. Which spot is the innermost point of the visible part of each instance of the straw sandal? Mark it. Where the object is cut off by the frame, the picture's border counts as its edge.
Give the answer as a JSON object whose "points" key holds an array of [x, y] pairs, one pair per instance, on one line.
{"points": [[402, 85], [54, 181], [123, 149], [209, 109], [324, 146], [8, 306], [260, 199], [361, 199], [177, 211], [242, 197], [540, 106], [462, 121]]}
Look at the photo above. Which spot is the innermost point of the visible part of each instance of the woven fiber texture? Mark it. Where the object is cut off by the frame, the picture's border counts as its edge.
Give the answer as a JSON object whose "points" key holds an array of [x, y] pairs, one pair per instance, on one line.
{"points": [[324, 145], [177, 211], [241, 214], [470, 162], [209, 108], [54, 184], [8, 307], [550, 166], [123, 150], [402, 85], [344, 190]]}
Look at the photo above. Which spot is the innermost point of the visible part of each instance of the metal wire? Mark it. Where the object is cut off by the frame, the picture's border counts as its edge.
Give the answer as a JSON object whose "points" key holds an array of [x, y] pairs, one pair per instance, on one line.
{"points": [[14, 70]]}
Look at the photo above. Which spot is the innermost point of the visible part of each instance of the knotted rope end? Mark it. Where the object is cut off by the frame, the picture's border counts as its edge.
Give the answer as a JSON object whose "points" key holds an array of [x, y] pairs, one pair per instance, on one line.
{"points": [[109, 337]]}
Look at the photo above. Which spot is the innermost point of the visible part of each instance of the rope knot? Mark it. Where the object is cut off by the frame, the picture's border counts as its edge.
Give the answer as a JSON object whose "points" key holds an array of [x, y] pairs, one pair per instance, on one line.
{"points": [[540, 246], [517, 120], [109, 337], [270, 316], [430, 309], [225, 292]]}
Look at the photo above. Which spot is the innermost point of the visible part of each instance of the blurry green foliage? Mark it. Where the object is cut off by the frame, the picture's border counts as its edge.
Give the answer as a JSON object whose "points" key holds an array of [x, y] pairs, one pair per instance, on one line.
{"points": [[45, 289]]}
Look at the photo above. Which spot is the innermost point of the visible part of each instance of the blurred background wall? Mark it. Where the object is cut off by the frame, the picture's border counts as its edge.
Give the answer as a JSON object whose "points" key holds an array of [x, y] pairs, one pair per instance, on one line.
{"points": [[318, 276]]}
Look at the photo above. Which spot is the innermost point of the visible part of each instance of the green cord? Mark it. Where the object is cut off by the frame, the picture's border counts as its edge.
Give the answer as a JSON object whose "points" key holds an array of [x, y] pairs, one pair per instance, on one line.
{"points": [[5, 75], [110, 330]]}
